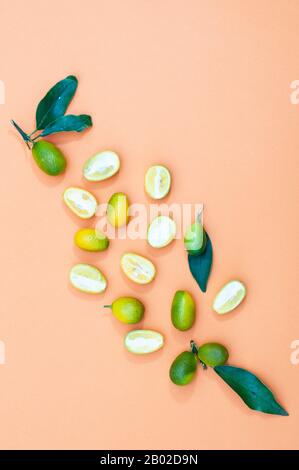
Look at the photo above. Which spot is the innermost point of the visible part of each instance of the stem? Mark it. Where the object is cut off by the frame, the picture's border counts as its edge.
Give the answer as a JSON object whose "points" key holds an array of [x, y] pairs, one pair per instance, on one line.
{"points": [[194, 350], [31, 133], [194, 347], [25, 136], [107, 306], [36, 137], [199, 216]]}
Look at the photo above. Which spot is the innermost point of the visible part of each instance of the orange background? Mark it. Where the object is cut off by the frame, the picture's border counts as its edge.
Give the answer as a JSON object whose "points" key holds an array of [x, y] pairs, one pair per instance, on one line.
{"points": [[204, 87]]}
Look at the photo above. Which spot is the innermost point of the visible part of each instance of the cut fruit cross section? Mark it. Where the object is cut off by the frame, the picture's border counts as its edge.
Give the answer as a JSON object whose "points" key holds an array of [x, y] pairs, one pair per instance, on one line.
{"points": [[137, 268], [81, 202], [101, 166], [87, 278], [229, 297], [157, 181], [143, 341], [161, 231]]}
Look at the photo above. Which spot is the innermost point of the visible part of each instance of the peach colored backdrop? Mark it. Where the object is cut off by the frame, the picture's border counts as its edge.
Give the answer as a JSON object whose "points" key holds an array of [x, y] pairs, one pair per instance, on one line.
{"points": [[203, 86]]}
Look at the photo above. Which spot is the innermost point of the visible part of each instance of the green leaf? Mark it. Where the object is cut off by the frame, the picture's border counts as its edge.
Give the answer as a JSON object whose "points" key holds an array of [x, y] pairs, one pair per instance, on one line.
{"points": [[252, 391], [56, 101], [200, 265], [23, 134], [68, 123]]}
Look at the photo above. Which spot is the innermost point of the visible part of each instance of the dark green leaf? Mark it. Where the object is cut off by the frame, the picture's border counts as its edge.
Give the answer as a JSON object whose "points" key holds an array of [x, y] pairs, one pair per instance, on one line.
{"points": [[200, 265], [68, 123], [252, 391], [23, 134], [56, 101]]}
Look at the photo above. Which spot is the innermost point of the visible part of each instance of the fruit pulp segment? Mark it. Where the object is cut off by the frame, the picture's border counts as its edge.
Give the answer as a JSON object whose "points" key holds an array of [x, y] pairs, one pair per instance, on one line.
{"points": [[229, 297], [87, 278], [157, 181], [161, 231], [101, 166], [138, 268], [143, 341], [81, 202]]}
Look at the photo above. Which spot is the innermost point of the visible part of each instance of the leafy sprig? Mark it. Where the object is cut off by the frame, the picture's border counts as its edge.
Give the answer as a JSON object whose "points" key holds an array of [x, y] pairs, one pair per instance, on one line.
{"points": [[50, 113], [255, 394]]}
